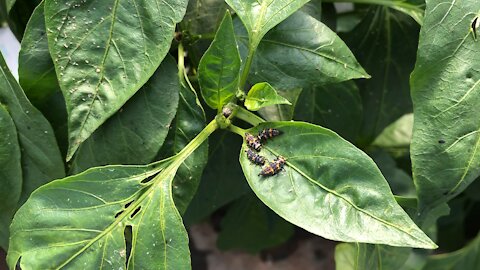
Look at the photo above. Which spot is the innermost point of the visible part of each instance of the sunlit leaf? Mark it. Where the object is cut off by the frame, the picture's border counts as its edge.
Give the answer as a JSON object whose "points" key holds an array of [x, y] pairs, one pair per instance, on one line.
{"points": [[104, 51], [445, 83], [135, 134], [330, 188], [220, 66], [263, 95]]}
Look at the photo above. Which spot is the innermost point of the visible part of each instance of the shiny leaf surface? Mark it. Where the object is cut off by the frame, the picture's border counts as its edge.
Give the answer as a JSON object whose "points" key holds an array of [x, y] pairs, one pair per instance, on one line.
{"points": [[263, 95], [220, 66], [79, 222], [10, 174], [104, 51], [41, 159], [330, 188], [259, 16], [299, 52], [446, 137], [135, 134]]}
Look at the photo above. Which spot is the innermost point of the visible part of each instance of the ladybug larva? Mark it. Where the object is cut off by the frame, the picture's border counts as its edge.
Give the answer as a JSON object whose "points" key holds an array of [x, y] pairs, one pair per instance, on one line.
{"points": [[253, 142], [254, 157], [273, 167], [268, 133]]}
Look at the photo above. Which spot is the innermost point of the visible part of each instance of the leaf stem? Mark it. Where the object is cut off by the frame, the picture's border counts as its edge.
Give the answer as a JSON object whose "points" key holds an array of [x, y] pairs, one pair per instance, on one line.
{"points": [[181, 62], [249, 117], [237, 130], [195, 143], [248, 64]]}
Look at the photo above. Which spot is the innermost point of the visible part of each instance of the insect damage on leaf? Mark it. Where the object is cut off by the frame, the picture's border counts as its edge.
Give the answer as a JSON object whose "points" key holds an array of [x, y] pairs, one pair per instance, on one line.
{"points": [[474, 27]]}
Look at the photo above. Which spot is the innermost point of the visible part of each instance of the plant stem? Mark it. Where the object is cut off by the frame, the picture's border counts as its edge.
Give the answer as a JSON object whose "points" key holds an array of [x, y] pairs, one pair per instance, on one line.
{"points": [[195, 143], [248, 63], [237, 130], [249, 117], [181, 62]]}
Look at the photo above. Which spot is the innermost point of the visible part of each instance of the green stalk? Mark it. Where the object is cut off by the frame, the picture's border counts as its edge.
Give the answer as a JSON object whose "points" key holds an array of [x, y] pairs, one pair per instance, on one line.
{"points": [[249, 117], [248, 63], [181, 62], [237, 130]]}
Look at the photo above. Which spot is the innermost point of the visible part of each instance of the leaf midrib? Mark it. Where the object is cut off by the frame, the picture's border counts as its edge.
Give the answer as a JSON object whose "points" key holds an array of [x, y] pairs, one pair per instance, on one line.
{"points": [[343, 198]]}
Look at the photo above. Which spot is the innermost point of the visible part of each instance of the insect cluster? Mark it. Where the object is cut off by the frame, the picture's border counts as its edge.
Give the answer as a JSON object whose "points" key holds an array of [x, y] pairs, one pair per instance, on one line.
{"points": [[255, 143]]}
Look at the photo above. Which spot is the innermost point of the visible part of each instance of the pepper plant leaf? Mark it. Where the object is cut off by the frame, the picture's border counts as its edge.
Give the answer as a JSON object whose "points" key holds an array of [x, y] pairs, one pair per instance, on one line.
{"points": [[103, 52], [218, 71], [36, 72], [10, 174], [330, 188], [335, 106], [385, 43], [300, 52], [135, 134], [259, 16], [263, 95], [188, 122], [41, 159], [446, 132], [79, 221], [359, 256]]}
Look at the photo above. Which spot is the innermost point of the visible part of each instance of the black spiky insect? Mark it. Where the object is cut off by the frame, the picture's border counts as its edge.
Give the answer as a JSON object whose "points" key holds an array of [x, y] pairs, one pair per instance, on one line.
{"points": [[268, 133], [253, 142], [273, 167], [254, 157]]}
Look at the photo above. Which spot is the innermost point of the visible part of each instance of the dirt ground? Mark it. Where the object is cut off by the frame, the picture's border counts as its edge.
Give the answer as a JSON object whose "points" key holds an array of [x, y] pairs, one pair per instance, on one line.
{"points": [[304, 251]]}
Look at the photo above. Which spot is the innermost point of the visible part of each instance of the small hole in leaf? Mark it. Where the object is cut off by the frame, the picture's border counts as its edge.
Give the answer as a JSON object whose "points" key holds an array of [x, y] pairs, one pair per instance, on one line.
{"points": [[135, 212], [118, 214], [128, 242], [441, 141], [128, 204], [469, 75], [147, 180]]}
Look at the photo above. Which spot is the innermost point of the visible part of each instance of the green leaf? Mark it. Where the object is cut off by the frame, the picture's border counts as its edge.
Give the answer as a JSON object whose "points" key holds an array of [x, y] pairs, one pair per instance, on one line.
{"points": [[10, 174], [300, 52], [218, 71], [385, 43], [222, 180], [204, 16], [358, 256], [38, 78], [400, 182], [330, 188], [259, 16], [41, 159], [135, 134], [445, 83], [282, 112], [10, 4], [19, 15], [104, 51], [188, 122], [263, 95], [397, 137], [36, 71], [334, 106], [79, 222], [251, 226], [465, 258]]}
